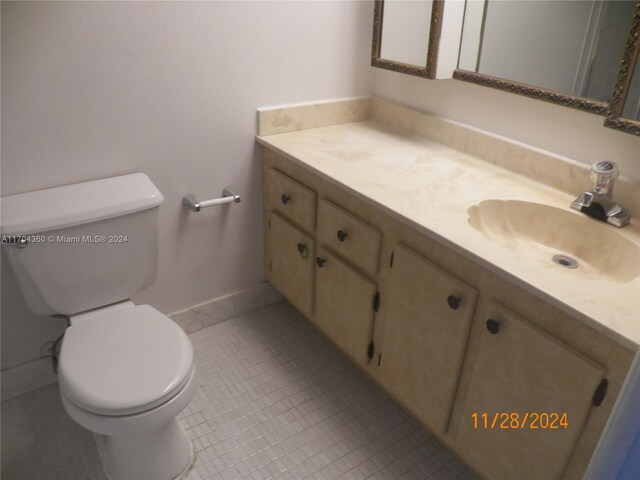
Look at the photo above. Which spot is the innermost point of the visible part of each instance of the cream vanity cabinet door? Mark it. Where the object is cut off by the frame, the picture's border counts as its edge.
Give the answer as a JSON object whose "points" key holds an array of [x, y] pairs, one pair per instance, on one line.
{"points": [[428, 318], [523, 370], [344, 305], [290, 263]]}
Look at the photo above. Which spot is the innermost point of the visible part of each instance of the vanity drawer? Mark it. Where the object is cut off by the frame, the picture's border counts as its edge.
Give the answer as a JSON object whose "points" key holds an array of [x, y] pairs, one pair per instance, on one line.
{"points": [[292, 199], [349, 236]]}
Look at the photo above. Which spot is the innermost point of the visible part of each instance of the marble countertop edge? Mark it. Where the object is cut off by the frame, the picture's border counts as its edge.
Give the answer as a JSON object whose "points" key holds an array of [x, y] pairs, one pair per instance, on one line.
{"points": [[307, 149]]}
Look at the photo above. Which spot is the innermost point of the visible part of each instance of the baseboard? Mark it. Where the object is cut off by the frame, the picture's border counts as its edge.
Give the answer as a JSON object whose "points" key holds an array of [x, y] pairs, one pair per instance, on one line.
{"points": [[38, 373], [24, 378], [226, 307]]}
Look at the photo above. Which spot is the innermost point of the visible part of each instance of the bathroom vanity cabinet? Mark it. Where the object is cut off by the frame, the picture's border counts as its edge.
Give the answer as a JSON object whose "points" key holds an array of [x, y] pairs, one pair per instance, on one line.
{"points": [[476, 357], [320, 284]]}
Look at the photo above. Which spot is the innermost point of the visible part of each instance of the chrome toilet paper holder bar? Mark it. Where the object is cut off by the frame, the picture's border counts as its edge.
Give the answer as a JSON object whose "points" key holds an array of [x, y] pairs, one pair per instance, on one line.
{"points": [[228, 196]]}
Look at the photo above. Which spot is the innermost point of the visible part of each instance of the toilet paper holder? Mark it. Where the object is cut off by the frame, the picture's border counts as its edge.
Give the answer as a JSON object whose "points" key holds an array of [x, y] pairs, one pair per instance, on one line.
{"points": [[228, 196]]}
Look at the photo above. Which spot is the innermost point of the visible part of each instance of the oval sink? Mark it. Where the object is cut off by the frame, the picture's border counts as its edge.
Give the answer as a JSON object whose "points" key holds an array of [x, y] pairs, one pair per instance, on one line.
{"points": [[541, 232]]}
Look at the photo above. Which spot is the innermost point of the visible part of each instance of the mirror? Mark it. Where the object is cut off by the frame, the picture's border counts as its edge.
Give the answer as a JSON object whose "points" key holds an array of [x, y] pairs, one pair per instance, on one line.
{"points": [[625, 101], [565, 51], [406, 35]]}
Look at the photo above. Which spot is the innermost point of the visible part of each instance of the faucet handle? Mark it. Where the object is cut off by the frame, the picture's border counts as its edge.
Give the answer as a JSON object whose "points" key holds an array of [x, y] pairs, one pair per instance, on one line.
{"points": [[602, 175]]}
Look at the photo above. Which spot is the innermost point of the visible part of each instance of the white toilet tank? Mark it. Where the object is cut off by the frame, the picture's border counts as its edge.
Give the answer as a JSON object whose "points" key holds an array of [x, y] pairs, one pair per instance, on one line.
{"points": [[89, 244]]}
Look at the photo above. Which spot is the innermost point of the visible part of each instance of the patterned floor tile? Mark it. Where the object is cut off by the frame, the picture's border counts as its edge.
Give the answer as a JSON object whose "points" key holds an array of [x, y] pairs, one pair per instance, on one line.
{"points": [[275, 401]]}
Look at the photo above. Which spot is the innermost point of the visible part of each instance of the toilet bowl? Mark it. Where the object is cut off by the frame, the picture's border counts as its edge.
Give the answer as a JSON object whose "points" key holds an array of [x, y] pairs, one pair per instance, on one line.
{"points": [[125, 371], [147, 445]]}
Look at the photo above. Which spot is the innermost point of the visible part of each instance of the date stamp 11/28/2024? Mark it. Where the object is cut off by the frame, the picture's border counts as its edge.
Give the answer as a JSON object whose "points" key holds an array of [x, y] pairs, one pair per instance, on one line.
{"points": [[520, 420]]}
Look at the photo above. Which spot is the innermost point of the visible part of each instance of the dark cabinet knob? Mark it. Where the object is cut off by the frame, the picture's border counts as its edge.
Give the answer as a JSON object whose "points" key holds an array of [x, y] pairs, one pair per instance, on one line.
{"points": [[302, 249], [493, 326], [320, 262], [285, 198], [453, 302], [342, 235]]}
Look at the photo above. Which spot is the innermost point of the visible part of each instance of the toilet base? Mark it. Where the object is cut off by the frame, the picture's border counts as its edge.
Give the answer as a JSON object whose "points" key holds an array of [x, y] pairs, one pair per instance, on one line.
{"points": [[164, 454]]}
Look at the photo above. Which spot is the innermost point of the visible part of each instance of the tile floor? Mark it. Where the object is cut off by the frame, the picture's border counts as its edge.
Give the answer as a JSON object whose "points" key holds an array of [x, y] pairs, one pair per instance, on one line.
{"points": [[275, 401]]}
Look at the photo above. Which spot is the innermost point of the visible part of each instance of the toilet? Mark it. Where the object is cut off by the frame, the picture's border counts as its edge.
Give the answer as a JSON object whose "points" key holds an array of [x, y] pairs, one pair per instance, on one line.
{"points": [[125, 371]]}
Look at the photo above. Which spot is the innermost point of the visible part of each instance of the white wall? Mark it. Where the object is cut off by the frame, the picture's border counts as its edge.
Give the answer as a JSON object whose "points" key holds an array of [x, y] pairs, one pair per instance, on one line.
{"points": [[96, 89], [561, 130], [91, 90]]}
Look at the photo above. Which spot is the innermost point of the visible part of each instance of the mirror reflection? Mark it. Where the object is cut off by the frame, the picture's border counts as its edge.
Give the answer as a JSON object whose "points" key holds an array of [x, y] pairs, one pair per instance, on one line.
{"points": [[406, 34], [405, 31], [568, 46]]}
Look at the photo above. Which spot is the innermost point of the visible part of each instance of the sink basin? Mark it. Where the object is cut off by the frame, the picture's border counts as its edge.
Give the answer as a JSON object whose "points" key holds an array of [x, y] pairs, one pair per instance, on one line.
{"points": [[541, 232]]}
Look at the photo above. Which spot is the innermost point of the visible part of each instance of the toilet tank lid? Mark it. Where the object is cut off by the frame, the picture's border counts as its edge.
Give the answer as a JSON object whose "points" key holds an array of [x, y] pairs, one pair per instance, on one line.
{"points": [[71, 205]]}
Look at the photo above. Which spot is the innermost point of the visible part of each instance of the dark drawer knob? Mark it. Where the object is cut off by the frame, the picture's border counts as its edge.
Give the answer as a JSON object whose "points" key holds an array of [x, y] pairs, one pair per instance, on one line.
{"points": [[320, 262], [453, 302], [342, 235], [493, 326], [303, 250], [285, 198]]}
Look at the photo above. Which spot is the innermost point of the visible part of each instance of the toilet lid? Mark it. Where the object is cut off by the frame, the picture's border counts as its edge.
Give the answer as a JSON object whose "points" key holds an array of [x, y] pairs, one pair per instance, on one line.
{"points": [[125, 361]]}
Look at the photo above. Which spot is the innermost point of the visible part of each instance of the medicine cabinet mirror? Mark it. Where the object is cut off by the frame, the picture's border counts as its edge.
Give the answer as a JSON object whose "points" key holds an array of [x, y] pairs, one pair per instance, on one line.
{"points": [[624, 106], [566, 51], [406, 35]]}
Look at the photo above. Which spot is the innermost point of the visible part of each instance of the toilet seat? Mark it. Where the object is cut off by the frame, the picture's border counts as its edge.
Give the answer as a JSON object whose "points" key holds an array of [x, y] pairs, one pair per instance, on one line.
{"points": [[125, 361]]}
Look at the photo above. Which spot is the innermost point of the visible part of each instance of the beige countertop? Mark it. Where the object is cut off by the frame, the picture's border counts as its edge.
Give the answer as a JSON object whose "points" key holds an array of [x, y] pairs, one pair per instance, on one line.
{"points": [[431, 186]]}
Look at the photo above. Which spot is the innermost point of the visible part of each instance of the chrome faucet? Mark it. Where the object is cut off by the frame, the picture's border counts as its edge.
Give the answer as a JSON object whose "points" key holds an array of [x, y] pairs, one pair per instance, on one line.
{"points": [[598, 203]]}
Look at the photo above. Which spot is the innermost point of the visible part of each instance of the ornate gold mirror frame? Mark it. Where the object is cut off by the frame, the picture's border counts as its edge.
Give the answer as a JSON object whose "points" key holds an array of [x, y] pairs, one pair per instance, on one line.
{"points": [[625, 74], [429, 70], [531, 91]]}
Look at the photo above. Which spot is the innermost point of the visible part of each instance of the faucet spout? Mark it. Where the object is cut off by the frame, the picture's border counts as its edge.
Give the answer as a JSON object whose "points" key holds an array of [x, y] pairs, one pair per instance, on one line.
{"points": [[598, 202]]}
